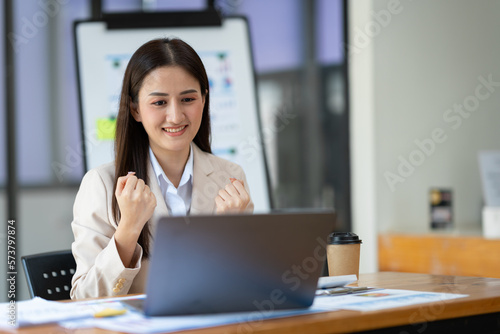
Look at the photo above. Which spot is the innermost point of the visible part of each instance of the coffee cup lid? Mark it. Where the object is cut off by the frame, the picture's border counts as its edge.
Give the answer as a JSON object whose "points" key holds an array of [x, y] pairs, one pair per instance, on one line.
{"points": [[343, 238]]}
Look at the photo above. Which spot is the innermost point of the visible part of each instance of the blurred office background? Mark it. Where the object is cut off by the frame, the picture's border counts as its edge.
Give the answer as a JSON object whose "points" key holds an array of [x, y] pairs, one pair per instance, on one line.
{"points": [[300, 70], [409, 62]]}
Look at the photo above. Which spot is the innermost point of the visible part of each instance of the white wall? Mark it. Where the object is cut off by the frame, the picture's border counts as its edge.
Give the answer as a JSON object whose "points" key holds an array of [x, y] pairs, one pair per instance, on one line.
{"points": [[362, 137], [431, 57], [427, 56]]}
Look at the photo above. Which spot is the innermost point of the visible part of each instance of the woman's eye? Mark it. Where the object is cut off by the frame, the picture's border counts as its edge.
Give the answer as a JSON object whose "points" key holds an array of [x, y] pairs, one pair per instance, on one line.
{"points": [[188, 99], [159, 103]]}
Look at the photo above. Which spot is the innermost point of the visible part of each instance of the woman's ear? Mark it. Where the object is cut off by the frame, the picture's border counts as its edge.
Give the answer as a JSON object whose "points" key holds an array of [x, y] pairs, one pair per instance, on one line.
{"points": [[134, 110]]}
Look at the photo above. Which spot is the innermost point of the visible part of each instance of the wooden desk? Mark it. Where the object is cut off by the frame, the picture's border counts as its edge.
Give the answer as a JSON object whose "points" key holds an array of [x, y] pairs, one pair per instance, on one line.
{"points": [[481, 307]]}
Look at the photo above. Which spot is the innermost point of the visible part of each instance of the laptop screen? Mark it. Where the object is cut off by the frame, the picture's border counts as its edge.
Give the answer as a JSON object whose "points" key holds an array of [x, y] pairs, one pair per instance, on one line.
{"points": [[225, 263]]}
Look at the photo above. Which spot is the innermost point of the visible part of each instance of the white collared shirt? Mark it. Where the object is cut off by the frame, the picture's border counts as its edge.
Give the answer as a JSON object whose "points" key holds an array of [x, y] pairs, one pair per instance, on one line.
{"points": [[178, 200]]}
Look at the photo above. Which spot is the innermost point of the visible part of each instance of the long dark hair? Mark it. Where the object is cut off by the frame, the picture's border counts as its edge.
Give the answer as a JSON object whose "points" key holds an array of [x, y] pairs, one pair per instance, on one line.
{"points": [[131, 142]]}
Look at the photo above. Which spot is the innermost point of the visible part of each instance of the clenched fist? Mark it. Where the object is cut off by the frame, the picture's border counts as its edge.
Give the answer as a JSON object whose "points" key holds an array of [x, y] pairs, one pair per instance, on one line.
{"points": [[233, 198]]}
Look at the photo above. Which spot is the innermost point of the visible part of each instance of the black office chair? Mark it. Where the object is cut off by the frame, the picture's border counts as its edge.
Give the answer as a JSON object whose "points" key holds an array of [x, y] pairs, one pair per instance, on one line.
{"points": [[49, 274]]}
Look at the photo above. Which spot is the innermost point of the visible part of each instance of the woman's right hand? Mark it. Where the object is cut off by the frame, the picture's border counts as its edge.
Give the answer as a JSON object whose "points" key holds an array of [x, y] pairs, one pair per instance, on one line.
{"points": [[136, 202]]}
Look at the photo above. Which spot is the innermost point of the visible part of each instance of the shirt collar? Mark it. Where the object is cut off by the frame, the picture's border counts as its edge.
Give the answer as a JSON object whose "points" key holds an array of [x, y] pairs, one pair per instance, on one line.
{"points": [[186, 175]]}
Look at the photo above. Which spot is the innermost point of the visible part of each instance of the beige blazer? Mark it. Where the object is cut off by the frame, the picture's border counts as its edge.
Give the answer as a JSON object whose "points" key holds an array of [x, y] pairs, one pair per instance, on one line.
{"points": [[100, 271]]}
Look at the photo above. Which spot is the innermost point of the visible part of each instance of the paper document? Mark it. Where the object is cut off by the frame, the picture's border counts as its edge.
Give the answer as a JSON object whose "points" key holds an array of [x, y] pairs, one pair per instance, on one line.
{"points": [[82, 314], [380, 299], [134, 322], [77, 315], [40, 311]]}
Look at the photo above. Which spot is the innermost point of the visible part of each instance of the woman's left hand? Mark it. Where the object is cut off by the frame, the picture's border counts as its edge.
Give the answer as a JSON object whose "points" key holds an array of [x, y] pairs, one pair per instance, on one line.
{"points": [[233, 198]]}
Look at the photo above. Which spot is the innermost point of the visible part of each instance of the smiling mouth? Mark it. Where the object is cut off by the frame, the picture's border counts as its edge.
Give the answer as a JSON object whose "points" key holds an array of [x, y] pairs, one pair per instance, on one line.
{"points": [[172, 130]]}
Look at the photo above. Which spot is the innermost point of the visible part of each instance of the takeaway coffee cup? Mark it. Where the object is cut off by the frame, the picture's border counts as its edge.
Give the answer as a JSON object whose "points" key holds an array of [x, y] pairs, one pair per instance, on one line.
{"points": [[343, 254]]}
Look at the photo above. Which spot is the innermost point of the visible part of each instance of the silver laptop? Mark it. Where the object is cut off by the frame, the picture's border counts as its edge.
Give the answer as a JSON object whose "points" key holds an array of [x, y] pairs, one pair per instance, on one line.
{"points": [[235, 263]]}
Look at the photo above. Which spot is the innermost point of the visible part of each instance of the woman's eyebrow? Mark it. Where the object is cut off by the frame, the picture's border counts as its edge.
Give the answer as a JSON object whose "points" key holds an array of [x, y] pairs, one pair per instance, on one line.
{"points": [[189, 91]]}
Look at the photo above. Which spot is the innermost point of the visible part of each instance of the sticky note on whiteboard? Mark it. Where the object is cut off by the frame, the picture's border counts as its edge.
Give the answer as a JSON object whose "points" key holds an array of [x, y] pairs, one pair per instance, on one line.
{"points": [[106, 128]]}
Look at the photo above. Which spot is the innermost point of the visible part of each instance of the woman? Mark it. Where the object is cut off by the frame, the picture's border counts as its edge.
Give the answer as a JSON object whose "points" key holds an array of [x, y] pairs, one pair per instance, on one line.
{"points": [[163, 166]]}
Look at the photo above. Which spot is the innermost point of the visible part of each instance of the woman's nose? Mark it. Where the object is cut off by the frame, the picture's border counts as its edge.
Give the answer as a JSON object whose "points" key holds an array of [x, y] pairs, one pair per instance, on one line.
{"points": [[175, 114]]}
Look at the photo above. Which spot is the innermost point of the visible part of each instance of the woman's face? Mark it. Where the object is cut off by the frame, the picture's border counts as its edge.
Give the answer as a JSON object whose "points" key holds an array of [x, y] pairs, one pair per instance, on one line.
{"points": [[170, 108]]}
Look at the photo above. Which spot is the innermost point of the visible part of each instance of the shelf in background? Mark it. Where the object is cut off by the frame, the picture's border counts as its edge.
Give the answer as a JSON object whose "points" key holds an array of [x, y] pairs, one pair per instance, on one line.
{"points": [[439, 254]]}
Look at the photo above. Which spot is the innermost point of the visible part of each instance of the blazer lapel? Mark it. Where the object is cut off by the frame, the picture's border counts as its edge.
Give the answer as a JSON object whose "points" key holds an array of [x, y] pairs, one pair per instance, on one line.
{"points": [[204, 188]]}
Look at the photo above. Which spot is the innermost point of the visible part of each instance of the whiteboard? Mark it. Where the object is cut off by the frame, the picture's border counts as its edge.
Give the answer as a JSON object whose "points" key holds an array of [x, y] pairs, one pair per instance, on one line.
{"points": [[102, 56]]}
